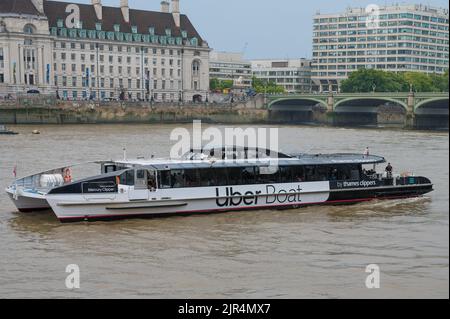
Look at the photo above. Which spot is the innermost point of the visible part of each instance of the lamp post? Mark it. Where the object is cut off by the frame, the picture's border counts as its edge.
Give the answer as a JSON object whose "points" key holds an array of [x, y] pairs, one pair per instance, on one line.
{"points": [[97, 72], [265, 93]]}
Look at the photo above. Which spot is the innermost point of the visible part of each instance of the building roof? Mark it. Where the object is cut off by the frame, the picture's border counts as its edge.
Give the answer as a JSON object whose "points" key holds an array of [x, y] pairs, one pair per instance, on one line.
{"points": [[143, 20], [18, 7]]}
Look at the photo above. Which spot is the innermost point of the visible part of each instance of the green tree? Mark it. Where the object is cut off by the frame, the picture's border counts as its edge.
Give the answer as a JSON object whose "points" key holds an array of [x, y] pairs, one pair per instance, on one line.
{"points": [[216, 84], [440, 81], [263, 86], [369, 80], [420, 82]]}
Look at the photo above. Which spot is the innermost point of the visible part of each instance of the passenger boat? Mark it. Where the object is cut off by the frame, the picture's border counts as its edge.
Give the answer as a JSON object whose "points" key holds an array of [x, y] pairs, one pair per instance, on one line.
{"points": [[209, 181], [5, 131]]}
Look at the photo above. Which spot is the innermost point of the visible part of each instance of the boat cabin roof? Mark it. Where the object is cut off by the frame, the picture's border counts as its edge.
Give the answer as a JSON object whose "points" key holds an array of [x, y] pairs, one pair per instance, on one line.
{"points": [[301, 159]]}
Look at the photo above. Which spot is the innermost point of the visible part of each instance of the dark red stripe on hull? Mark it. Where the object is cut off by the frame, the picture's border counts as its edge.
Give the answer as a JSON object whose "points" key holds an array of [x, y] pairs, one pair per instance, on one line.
{"points": [[30, 210]]}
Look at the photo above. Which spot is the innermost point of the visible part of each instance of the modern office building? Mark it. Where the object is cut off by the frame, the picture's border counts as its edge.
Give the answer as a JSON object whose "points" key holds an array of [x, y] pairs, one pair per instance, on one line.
{"points": [[81, 51], [230, 66], [292, 74], [392, 38]]}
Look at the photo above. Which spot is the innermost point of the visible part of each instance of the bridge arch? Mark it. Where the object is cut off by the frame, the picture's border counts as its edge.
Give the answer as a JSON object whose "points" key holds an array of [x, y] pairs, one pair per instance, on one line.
{"points": [[432, 113], [296, 110], [432, 102], [292, 100], [370, 111], [371, 98]]}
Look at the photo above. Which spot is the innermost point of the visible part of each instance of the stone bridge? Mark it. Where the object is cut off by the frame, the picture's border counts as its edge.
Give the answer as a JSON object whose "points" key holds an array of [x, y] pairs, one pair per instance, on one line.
{"points": [[418, 110]]}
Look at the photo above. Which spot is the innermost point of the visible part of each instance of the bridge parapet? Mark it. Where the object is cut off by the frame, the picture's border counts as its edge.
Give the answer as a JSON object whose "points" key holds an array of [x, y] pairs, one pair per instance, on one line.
{"points": [[411, 101]]}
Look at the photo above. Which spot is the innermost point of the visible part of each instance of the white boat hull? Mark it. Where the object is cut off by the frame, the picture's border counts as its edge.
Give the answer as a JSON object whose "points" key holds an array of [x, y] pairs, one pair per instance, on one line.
{"points": [[26, 203], [188, 201]]}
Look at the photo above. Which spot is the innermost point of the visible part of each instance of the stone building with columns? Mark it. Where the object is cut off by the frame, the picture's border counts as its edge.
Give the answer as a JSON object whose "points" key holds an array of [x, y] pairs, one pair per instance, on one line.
{"points": [[80, 52]]}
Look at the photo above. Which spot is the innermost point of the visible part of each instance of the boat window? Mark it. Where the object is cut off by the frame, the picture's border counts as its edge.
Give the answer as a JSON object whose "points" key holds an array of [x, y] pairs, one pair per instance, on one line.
{"points": [[248, 175], [299, 173], [354, 174], [345, 172], [164, 180], [322, 173], [234, 175], [141, 180], [268, 175], [110, 169], [207, 177], [286, 174], [221, 176], [151, 180], [192, 178], [140, 174], [127, 178], [177, 178]]}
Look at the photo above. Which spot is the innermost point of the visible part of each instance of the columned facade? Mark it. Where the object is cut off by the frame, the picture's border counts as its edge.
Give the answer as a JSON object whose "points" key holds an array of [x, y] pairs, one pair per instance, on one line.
{"points": [[81, 52]]}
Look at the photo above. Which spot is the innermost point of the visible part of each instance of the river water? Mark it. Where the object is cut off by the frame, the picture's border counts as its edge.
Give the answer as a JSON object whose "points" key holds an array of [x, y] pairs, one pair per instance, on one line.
{"points": [[315, 252]]}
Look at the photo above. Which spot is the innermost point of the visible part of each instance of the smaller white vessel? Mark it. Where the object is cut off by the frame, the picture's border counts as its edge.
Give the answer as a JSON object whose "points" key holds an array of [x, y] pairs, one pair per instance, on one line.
{"points": [[5, 131]]}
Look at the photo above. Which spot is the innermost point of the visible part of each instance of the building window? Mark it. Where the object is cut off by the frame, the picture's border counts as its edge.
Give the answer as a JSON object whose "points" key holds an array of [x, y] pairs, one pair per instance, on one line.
{"points": [[29, 29], [2, 59], [196, 68]]}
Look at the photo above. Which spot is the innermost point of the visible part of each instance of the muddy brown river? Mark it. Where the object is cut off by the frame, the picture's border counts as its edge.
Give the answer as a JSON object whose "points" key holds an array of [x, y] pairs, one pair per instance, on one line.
{"points": [[314, 252]]}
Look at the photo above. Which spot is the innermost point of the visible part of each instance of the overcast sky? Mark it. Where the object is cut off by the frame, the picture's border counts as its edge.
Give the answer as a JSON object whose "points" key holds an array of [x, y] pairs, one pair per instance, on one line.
{"points": [[263, 28]]}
